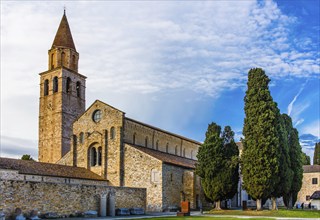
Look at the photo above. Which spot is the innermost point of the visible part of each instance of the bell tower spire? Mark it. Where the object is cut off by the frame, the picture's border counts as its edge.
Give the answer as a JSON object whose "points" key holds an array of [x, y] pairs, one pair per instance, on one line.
{"points": [[62, 96], [63, 51]]}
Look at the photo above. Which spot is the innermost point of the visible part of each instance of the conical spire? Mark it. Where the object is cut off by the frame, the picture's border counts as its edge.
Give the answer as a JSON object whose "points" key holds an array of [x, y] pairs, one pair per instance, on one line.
{"points": [[63, 36]]}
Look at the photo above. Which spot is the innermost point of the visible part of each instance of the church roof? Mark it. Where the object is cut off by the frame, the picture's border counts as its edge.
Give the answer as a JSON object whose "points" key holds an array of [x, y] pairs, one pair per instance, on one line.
{"points": [[168, 158], [47, 169], [311, 168], [63, 36]]}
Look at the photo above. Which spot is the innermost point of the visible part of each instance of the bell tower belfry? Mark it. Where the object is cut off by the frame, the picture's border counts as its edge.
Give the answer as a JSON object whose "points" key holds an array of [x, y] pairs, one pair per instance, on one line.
{"points": [[62, 96]]}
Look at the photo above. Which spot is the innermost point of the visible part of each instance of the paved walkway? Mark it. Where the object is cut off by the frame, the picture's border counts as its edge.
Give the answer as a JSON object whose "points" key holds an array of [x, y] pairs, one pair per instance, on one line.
{"points": [[171, 214]]}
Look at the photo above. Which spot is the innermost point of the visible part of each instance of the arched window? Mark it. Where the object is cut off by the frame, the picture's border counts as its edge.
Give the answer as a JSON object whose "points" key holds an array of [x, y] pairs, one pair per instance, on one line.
{"points": [[146, 142], [68, 86], [55, 84], [157, 145], [167, 148], [93, 156], [99, 156], [112, 133], [63, 58], [134, 138], [176, 150], [46, 87], [81, 138], [78, 89], [52, 65]]}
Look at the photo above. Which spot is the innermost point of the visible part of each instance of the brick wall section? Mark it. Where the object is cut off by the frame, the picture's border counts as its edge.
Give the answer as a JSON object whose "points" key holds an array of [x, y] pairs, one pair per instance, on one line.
{"points": [[137, 173], [50, 194]]}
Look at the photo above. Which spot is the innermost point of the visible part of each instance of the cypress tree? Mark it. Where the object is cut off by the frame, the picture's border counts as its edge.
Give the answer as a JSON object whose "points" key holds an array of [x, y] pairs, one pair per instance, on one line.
{"points": [[285, 172], [295, 154], [305, 159], [316, 155], [260, 157], [218, 164]]}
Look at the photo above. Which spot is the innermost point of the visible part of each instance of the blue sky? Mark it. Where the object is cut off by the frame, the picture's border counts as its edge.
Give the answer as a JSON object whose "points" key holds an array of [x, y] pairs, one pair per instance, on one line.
{"points": [[177, 65]]}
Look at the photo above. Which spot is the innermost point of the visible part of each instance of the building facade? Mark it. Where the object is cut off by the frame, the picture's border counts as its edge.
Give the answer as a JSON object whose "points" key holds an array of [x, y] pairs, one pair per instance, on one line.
{"points": [[101, 139]]}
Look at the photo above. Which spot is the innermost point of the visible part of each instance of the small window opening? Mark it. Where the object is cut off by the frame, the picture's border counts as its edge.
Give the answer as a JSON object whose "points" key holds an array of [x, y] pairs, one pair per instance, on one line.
{"points": [[55, 84], [167, 148], [176, 150], [68, 87], [52, 65], [134, 138], [112, 133], [81, 139], [46, 87], [78, 89], [146, 142], [184, 152], [99, 156], [314, 180], [157, 145], [62, 58], [93, 156]]}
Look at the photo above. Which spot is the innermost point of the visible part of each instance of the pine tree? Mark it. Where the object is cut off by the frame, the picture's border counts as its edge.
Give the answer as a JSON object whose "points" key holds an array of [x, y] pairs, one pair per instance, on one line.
{"points": [[260, 157], [295, 154], [316, 155], [218, 164]]}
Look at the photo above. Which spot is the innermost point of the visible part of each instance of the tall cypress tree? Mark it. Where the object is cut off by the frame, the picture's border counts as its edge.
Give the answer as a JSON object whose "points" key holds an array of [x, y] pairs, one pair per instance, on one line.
{"points": [[305, 159], [260, 157], [316, 155], [218, 164], [285, 172], [295, 154]]}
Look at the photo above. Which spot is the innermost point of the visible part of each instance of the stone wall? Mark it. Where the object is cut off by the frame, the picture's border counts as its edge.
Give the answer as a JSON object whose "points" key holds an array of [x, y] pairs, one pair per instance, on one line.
{"points": [[49, 194], [97, 134], [159, 140], [307, 188], [138, 170]]}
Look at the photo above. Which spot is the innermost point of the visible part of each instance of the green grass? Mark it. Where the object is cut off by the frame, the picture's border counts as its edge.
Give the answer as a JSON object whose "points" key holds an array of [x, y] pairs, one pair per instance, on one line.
{"points": [[269, 213], [205, 218]]}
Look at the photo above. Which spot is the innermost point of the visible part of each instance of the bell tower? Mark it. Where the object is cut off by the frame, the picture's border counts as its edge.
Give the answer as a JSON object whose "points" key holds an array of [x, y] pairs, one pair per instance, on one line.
{"points": [[62, 96]]}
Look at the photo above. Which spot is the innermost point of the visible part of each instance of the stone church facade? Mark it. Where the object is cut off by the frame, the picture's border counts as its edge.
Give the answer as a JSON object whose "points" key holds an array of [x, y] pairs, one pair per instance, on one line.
{"points": [[101, 139]]}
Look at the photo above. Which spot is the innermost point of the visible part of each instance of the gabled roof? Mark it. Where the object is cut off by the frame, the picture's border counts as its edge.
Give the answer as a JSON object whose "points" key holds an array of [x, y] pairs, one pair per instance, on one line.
{"points": [[164, 131], [47, 169], [167, 158], [63, 36], [315, 195], [311, 168]]}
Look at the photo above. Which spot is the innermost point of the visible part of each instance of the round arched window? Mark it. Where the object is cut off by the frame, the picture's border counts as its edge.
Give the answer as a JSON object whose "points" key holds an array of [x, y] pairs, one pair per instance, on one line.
{"points": [[96, 116]]}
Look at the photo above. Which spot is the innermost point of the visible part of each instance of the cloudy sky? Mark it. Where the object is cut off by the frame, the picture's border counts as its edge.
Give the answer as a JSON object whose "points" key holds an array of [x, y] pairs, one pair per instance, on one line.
{"points": [[177, 65]]}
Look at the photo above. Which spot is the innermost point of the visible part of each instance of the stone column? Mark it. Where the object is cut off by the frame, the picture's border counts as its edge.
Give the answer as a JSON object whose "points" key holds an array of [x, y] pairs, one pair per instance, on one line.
{"points": [[103, 205]]}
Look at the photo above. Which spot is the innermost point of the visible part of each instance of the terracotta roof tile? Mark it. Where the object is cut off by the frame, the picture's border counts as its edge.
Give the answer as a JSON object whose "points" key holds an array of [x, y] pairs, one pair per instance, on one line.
{"points": [[47, 169], [168, 158], [311, 168]]}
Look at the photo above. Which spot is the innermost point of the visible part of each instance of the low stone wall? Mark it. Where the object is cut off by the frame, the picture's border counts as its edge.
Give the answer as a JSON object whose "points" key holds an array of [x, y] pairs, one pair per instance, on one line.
{"points": [[63, 198]]}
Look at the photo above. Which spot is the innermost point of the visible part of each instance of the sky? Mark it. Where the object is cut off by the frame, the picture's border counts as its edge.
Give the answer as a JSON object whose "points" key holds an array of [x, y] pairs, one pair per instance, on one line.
{"points": [[177, 65]]}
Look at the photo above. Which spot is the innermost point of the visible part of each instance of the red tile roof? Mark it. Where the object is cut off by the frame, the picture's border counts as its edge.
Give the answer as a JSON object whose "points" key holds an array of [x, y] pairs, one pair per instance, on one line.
{"points": [[168, 158], [47, 169]]}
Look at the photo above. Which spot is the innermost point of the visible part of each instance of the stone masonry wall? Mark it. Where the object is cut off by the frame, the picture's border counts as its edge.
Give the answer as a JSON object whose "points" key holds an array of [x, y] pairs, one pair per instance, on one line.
{"points": [[63, 198], [159, 140], [138, 170], [307, 188], [97, 134]]}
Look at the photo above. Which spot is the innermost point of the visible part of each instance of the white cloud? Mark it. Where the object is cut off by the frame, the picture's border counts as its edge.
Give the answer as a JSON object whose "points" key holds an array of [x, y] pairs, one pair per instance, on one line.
{"points": [[312, 128], [149, 50]]}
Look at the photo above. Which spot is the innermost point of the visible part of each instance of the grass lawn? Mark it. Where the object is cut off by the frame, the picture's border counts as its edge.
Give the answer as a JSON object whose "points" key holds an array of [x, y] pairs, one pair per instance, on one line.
{"points": [[204, 218], [269, 213]]}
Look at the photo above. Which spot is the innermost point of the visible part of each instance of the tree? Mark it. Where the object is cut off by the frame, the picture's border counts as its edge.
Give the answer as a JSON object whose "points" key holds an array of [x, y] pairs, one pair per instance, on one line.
{"points": [[26, 157], [218, 164], [260, 157], [316, 155], [285, 172], [295, 154], [305, 159]]}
